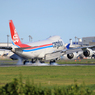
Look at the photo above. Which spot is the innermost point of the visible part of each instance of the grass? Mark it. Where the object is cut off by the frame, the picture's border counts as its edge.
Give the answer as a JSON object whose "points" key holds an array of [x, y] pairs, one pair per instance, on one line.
{"points": [[83, 61], [50, 76]]}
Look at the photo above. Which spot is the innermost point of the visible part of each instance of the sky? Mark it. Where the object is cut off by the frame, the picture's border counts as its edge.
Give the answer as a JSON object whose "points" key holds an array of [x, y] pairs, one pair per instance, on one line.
{"points": [[44, 18]]}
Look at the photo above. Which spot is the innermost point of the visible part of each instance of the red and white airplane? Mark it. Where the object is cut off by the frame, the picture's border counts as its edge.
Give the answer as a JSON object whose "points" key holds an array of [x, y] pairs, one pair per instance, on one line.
{"points": [[49, 49]]}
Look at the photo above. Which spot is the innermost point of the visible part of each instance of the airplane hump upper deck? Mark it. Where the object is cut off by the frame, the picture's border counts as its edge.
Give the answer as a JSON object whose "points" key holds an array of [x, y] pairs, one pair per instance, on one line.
{"points": [[14, 34]]}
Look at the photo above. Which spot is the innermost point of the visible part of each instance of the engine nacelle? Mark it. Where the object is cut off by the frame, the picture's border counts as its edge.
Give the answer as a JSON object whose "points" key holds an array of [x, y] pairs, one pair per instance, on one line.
{"points": [[88, 53], [70, 56]]}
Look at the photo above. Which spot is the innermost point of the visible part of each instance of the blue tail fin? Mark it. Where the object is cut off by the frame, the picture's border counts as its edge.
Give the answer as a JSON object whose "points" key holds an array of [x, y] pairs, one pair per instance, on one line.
{"points": [[68, 45]]}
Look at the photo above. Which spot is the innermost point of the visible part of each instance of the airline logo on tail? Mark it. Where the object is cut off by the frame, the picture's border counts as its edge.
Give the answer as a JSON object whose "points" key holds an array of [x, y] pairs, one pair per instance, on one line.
{"points": [[14, 34], [15, 37]]}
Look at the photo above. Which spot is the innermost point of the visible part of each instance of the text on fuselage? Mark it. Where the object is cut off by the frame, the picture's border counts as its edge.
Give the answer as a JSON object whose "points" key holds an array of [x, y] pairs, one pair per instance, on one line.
{"points": [[57, 44]]}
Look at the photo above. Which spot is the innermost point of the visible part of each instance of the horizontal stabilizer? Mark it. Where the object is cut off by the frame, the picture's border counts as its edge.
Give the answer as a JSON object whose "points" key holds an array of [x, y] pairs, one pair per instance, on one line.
{"points": [[7, 48]]}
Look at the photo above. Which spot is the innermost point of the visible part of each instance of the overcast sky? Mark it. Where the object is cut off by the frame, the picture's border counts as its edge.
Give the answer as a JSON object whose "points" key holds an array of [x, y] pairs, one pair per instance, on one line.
{"points": [[44, 18]]}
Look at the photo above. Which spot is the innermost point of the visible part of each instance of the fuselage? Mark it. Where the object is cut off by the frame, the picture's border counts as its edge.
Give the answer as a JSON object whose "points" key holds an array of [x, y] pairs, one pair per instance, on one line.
{"points": [[40, 48], [35, 49]]}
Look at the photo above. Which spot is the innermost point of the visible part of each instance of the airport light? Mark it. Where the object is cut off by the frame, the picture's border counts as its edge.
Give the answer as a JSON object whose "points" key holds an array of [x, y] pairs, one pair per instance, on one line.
{"points": [[30, 38], [70, 41], [79, 40], [75, 40], [7, 40]]}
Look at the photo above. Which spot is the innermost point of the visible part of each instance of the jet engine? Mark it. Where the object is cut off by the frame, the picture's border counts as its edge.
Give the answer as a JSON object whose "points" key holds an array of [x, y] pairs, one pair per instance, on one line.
{"points": [[70, 56], [88, 52]]}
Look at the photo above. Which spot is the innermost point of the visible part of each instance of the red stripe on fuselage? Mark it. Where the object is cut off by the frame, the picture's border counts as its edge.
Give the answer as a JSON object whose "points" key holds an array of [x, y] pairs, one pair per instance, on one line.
{"points": [[23, 45], [38, 46]]}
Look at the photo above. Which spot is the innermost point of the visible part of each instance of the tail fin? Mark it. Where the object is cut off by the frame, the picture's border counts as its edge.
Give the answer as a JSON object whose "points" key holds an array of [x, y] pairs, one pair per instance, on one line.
{"points": [[68, 46], [14, 34]]}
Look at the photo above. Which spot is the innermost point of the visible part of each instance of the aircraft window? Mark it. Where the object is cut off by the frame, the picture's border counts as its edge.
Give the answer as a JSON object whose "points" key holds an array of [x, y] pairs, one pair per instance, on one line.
{"points": [[57, 44]]}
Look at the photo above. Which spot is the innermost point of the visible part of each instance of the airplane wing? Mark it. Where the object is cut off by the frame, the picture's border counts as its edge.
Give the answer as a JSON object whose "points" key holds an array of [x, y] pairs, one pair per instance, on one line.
{"points": [[7, 48], [90, 47], [88, 51], [16, 49], [68, 51]]}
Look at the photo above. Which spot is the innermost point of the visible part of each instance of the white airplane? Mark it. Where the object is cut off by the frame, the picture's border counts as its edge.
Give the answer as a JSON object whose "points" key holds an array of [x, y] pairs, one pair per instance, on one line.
{"points": [[49, 49], [87, 51], [72, 54]]}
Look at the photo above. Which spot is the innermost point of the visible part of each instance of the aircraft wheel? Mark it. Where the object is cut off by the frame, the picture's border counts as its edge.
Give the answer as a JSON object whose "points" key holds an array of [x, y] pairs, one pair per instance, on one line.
{"points": [[24, 62], [33, 60], [41, 60], [52, 61]]}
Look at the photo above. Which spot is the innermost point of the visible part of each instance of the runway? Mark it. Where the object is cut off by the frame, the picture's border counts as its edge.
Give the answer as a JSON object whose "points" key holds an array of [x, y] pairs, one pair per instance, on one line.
{"points": [[11, 63]]}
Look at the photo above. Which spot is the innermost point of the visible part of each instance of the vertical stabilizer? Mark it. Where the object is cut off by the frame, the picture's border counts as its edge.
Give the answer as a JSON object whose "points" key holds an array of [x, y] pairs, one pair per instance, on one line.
{"points": [[68, 46], [14, 34]]}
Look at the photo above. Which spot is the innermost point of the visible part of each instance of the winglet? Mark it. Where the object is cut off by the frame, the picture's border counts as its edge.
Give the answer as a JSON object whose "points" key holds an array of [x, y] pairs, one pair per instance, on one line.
{"points": [[14, 34]]}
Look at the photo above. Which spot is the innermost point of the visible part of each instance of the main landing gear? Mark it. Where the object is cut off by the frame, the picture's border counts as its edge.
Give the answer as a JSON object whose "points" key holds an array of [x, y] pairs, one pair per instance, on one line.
{"points": [[38, 62], [33, 61], [53, 62]]}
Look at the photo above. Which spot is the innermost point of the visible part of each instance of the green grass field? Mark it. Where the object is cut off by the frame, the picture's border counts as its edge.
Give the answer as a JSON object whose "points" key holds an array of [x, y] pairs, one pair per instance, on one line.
{"points": [[49, 75]]}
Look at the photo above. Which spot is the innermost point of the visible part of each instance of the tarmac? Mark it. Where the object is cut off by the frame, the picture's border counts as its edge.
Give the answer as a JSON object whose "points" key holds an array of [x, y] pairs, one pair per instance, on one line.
{"points": [[11, 63]]}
